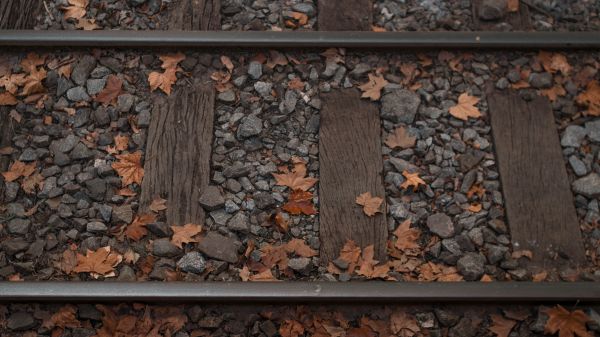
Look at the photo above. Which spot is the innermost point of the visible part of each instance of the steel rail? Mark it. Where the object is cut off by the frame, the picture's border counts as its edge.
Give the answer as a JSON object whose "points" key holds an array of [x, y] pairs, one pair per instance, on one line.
{"points": [[301, 292], [267, 39]]}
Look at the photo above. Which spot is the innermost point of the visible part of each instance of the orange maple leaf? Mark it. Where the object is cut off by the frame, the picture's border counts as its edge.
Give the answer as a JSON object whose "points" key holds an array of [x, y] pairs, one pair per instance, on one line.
{"points": [[164, 80], [591, 98], [513, 5], [412, 179], [554, 92], [137, 229], [158, 204], [567, 324], [19, 169], [501, 326], [111, 91], [465, 107], [300, 202], [121, 142], [6, 98], [98, 263], [291, 328], [185, 234], [129, 167], [370, 203], [372, 89], [296, 180], [400, 138], [554, 62], [77, 10], [369, 267], [407, 237], [86, 24], [300, 248], [170, 61]]}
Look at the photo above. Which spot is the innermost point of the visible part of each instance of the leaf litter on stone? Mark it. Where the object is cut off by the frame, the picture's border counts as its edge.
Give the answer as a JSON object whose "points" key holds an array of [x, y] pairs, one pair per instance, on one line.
{"points": [[185, 234], [129, 167], [371, 205], [465, 107], [101, 262], [372, 89]]}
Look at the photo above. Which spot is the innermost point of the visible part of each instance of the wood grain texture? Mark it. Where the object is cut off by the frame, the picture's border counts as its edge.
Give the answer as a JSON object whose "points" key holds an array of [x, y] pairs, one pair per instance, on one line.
{"points": [[519, 20], [19, 14], [6, 134], [538, 198], [195, 15], [349, 15], [178, 151], [351, 163]]}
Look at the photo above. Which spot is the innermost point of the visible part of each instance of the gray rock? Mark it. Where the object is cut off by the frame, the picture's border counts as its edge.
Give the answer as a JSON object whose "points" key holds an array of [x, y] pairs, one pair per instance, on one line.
{"points": [[126, 274], [306, 8], [495, 253], [101, 116], [125, 102], [94, 86], [446, 317], [492, 9], [441, 225], [212, 198], [588, 186], [360, 70], [219, 247], [14, 246], [96, 227], [18, 226], [192, 262], [541, 80], [144, 119], [289, 102], [264, 200], [592, 130], [64, 145], [464, 328], [239, 223], [78, 94], [263, 88], [122, 214], [471, 266], [227, 96], [83, 68], [96, 188], [28, 155], [577, 165], [249, 126], [164, 248], [255, 70], [400, 106], [573, 136], [81, 152], [160, 229], [236, 170], [62, 85], [470, 159], [300, 264], [20, 321]]}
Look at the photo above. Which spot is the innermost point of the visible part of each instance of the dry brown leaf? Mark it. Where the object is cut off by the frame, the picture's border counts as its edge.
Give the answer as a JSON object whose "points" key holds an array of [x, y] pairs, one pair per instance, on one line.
{"points": [[567, 324], [554, 92], [111, 91], [370, 203], [164, 80], [407, 237], [158, 204], [590, 98], [77, 10], [501, 326], [300, 248], [412, 179], [137, 229], [87, 24], [30, 183], [513, 5], [281, 221], [65, 317], [6, 98], [32, 61], [333, 55], [68, 261], [554, 62], [300, 17], [372, 89], [378, 29], [129, 167], [291, 328], [517, 254], [296, 180], [368, 265], [465, 107], [227, 63], [404, 325], [264, 276], [170, 61], [98, 263], [300, 202], [400, 138], [121, 142], [185, 234], [19, 169], [296, 84]]}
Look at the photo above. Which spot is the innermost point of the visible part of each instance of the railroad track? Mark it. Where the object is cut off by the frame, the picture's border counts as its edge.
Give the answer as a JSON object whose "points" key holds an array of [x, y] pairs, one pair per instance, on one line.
{"points": [[483, 158]]}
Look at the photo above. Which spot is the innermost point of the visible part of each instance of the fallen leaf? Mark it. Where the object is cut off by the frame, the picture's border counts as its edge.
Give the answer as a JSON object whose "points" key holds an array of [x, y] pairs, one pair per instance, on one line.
{"points": [[475, 208], [32, 61], [158, 204], [554, 92], [539, 277], [300, 202], [368, 265], [87, 24], [333, 55], [276, 59], [590, 98], [264, 276], [554, 62], [98, 263], [68, 261], [517, 254], [400, 138], [129, 167], [185, 234], [30, 183], [513, 5], [296, 180], [403, 324], [378, 29], [372, 89], [501, 326], [567, 324], [164, 80], [296, 84], [282, 221], [466, 107], [77, 10], [412, 179], [170, 61], [406, 237], [121, 142], [137, 229], [291, 328], [370, 204], [65, 317], [227, 63], [300, 248], [17, 170], [111, 91], [6, 98]]}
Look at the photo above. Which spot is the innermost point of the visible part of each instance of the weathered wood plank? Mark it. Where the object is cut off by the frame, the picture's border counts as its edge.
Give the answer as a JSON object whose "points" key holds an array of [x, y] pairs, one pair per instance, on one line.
{"points": [[6, 134], [350, 161], [178, 152], [538, 198], [351, 15], [195, 15], [519, 20], [19, 14]]}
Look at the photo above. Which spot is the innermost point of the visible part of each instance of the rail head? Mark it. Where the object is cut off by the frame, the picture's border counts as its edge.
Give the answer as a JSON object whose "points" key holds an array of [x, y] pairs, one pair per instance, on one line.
{"points": [[300, 292], [289, 39]]}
